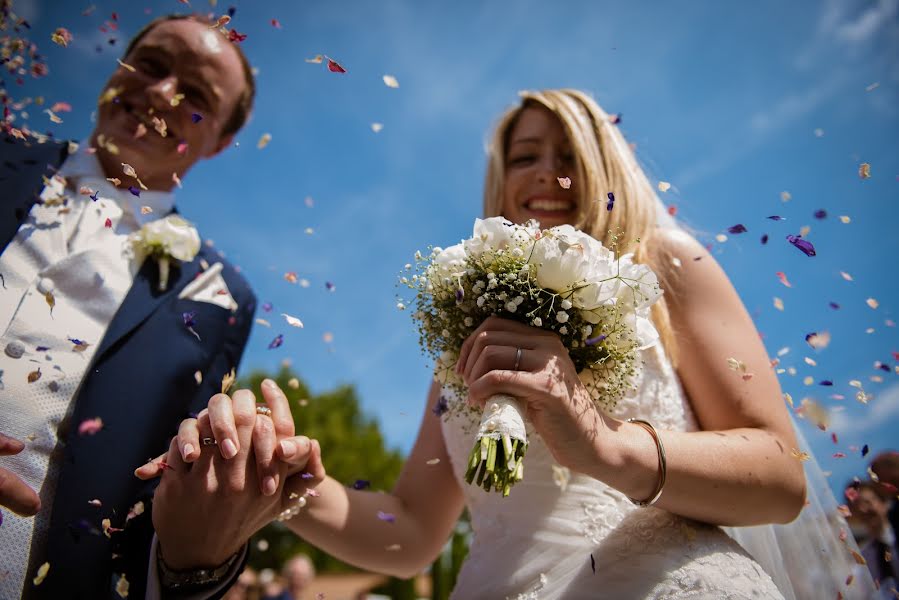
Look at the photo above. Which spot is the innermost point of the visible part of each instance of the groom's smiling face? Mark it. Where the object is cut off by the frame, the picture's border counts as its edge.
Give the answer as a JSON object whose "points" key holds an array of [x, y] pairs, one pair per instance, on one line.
{"points": [[181, 72]]}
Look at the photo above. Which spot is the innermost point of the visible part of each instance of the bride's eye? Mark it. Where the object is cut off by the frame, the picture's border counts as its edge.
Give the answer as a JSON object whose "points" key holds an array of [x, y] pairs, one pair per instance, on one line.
{"points": [[520, 159]]}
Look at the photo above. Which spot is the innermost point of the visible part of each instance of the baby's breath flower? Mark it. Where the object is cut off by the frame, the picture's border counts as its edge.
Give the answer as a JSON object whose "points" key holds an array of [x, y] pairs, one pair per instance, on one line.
{"points": [[511, 306], [566, 304], [562, 316], [537, 322]]}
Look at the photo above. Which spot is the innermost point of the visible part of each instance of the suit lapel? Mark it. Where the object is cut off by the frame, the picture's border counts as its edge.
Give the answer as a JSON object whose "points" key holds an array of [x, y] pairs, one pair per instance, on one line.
{"points": [[144, 297], [21, 167]]}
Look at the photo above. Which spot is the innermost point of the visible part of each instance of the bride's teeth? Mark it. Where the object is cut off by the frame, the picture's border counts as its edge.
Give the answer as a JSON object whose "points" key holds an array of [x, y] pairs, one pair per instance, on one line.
{"points": [[549, 205]]}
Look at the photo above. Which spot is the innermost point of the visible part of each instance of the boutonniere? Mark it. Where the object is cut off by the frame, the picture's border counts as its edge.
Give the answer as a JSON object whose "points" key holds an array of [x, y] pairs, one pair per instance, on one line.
{"points": [[167, 239]]}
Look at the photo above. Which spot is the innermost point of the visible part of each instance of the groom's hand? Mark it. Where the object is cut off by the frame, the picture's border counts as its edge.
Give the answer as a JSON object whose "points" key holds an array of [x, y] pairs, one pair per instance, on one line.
{"points": [[15, 493], [211, 499]]}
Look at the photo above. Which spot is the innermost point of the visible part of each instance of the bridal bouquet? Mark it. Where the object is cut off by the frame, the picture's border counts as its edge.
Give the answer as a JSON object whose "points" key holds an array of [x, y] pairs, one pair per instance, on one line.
{"points": [[558, 279]]}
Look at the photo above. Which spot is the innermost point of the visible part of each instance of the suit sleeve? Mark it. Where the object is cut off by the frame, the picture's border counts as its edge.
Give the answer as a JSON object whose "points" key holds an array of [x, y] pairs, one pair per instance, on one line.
{"points": [[229, 358]]}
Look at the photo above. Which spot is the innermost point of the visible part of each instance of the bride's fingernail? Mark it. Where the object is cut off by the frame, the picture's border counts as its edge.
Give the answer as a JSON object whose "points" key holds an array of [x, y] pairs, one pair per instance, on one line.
{"points": [[288, 449], [187, 450], [229, 449], [269, 485], [269, 384]]}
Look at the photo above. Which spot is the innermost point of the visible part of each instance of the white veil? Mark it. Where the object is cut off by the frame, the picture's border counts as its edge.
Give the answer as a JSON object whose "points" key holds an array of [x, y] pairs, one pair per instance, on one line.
{"points": [[806, 558]]}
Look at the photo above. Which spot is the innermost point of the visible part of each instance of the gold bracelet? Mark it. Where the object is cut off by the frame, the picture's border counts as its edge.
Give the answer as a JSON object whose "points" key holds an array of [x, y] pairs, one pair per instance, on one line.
{"points": [[663, 467]]}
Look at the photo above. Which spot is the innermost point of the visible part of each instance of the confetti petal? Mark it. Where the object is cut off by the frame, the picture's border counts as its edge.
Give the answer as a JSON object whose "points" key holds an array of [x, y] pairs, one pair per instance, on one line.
{"points": [[804, 245], [565, 182], [738, 228], [872, 303], [864, 171], [42, 573], [783, 278], [275, 343], [292, 321], [264, 140], [335, 67], [390, 81], [664, 186], [376, 127], [90, 426]]}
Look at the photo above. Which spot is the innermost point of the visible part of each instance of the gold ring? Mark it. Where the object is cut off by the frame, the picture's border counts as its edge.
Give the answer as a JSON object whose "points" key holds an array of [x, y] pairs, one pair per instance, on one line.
{"points": [[518, 353], [263, 410]]}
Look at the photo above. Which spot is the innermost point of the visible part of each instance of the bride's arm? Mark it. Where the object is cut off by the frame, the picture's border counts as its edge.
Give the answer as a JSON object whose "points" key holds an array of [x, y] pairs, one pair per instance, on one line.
{"points": [[398, 533], [740, 469]]}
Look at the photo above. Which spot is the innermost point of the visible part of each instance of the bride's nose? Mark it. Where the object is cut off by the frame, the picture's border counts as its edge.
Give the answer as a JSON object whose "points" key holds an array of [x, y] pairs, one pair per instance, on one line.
{"points": [[549, 167]]}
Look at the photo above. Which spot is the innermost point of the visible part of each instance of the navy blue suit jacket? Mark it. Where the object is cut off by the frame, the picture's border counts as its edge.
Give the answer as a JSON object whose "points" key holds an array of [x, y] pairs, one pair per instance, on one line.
{"points": [[141, 384]]}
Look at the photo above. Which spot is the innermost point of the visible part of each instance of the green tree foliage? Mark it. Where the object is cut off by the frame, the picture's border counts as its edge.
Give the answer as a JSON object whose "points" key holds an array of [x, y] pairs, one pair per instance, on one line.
{"points": [[352, 447]]}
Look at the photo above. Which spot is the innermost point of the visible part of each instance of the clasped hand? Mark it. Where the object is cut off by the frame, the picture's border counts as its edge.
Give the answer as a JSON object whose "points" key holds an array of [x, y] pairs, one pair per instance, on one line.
{"points": [[212, 498], [545, 382]]}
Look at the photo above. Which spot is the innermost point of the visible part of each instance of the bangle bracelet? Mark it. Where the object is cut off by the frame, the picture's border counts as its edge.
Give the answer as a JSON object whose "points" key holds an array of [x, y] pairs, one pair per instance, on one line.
{"points": [[663, 467]]}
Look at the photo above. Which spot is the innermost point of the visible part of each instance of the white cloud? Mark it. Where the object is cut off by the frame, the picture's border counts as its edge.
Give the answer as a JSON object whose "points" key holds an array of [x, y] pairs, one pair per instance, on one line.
{"points": [[880, 412], [868, 23]]}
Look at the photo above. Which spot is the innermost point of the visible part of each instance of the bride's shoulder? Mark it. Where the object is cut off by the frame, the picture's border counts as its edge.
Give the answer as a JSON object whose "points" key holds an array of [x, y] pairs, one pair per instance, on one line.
{"points": [[684, 266]]}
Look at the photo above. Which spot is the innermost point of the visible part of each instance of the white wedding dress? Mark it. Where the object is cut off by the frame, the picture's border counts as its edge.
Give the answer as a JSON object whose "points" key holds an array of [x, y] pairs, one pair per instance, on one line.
{"points": [[589, 540]]}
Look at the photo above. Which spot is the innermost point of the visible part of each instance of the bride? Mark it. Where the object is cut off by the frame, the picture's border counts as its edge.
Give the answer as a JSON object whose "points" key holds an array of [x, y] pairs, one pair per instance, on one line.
{"points": [[608, 508]]}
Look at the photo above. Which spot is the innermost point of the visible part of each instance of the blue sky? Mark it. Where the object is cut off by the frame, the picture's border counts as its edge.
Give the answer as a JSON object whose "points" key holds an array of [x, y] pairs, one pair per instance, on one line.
{"points": [[733, 105]]}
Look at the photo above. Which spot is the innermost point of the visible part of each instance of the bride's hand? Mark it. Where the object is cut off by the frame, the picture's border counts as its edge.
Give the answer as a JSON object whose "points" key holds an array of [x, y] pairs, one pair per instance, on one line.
{"points": [[545, 382], [212, 498]]}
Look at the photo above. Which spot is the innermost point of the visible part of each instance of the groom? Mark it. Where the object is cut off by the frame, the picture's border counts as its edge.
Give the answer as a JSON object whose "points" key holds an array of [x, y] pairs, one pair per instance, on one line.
{"points": [[100, 359]]}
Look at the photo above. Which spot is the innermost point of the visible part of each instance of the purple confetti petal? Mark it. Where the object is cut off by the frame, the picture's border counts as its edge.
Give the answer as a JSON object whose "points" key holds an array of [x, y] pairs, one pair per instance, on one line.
{"points": [[361, 484], [95, 196], [764, 239], [611, 202], [865, 450], [834, 306], [267, 307], [826, 382], [188, 318], [777, 218], [821, 214], [882, 366], [802, 244], [593, 564], [387, 517], [441, 407], [307, 476], [134, 191], [196, 117], [330, 286], [275, 343], [595, 340], [42, 348], [460, 295], [738, 228]]}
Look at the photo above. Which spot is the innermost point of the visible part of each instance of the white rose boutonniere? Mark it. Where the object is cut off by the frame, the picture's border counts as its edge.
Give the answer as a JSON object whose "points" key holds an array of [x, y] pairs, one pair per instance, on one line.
{"points": [[166, 239]]}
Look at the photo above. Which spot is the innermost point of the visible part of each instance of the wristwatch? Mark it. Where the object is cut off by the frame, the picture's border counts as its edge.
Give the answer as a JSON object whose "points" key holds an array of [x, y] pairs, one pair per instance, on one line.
{"points": [[172, 579]]}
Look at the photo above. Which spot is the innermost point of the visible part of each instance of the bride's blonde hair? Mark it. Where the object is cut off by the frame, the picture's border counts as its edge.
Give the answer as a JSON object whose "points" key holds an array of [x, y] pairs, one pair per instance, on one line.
{"points": [[603, 163]]}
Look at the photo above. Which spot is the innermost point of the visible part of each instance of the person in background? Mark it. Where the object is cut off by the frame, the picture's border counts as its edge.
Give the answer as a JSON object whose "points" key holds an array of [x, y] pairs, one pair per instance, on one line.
{"points": [[869, 506], [246, 587]]}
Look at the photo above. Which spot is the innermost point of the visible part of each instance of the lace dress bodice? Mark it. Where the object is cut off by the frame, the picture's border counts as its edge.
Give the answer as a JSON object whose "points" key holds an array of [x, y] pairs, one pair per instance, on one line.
{"points": [[588, 540]]}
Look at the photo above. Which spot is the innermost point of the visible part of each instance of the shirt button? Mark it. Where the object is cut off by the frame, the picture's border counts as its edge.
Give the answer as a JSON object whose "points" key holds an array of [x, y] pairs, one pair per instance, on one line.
{"points": [[15, 349], [45, 285]]}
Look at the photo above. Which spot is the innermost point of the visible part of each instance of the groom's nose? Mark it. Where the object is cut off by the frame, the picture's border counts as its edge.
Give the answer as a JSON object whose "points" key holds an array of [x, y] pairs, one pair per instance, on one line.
{"points": [[162, 92]]}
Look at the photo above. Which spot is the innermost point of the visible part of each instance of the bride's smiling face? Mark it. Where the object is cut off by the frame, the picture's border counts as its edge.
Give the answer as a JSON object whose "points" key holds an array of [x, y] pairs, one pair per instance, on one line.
{"points": [[538, 153]]}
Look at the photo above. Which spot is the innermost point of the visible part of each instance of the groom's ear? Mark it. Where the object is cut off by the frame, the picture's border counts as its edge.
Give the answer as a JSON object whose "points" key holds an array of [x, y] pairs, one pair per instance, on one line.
{"points": [[223, 143]]}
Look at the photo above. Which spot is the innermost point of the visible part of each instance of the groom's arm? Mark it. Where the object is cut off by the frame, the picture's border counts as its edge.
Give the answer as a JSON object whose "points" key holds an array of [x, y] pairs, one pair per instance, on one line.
{"points": [[227, 359]]}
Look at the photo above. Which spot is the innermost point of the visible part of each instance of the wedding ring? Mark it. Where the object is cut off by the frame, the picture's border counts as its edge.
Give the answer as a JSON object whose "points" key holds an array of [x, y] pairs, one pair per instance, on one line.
{"points": [[518, 353], [208, 441], [263, 410]]}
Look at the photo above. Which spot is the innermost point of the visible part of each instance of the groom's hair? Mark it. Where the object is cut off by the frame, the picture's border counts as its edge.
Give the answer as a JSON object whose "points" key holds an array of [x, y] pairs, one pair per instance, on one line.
{"points": [[244, 104]]}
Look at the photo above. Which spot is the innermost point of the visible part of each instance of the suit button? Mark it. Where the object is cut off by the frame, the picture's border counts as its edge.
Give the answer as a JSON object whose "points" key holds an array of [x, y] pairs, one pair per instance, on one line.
{"points": [[15, 349], [45, 285]]}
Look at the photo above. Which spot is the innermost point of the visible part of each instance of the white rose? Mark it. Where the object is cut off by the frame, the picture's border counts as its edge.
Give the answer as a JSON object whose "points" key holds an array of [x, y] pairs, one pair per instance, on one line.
{"points": [[644, 287], [174, 235], [447, 263]]}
